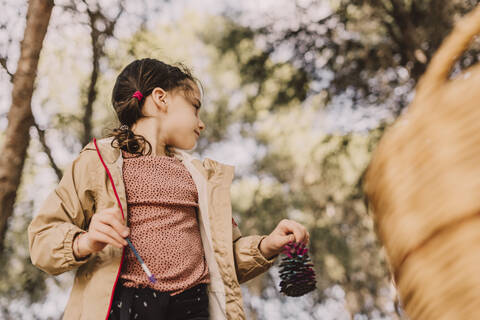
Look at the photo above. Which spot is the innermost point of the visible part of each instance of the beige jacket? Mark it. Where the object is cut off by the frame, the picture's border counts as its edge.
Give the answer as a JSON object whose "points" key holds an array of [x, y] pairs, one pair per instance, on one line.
{"points": [[85, 188]]}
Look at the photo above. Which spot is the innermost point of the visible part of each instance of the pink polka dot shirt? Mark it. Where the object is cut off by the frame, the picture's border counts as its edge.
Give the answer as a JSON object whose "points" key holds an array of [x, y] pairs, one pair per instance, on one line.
{"points": [[162, 202]]}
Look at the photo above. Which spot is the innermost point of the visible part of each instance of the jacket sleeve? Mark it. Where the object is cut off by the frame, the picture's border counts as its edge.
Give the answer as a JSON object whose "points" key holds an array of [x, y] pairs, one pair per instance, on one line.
{"points": [[61, 217], [249, 261]]}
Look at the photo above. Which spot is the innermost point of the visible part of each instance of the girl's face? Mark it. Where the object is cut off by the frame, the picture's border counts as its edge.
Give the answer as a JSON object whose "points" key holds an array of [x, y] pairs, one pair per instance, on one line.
{"points": [[182, 124]]}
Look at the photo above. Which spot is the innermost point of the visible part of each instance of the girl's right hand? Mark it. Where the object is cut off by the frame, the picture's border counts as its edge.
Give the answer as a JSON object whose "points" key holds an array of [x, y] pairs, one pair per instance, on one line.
{"points": [[106, 227]]}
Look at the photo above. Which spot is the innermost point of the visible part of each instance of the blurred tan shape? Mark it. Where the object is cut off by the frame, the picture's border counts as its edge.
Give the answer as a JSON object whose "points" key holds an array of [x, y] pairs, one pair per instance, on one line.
{"points": [[424, 186]]}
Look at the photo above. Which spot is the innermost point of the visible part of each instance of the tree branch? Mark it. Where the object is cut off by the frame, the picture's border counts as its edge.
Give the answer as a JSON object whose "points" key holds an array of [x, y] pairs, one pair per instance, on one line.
{"points": [[3, 62], [48, 151], [98, 38]]}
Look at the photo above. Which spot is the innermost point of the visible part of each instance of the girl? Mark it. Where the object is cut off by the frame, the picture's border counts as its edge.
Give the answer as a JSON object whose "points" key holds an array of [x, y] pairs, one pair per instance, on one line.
{"points": [[139, 185]]}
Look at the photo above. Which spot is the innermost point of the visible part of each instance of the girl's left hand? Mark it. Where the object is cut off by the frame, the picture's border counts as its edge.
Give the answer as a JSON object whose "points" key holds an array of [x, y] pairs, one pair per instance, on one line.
{"points": [[285, 232]]}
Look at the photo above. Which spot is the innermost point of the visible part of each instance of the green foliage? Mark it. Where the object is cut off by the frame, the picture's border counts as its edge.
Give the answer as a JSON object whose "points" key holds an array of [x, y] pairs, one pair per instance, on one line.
{"points": [[19, 278], [273, 85], [374, 51]]}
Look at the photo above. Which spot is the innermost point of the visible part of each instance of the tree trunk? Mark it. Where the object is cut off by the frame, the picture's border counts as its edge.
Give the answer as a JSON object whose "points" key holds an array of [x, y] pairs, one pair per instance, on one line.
{"points": [[20, 118]]}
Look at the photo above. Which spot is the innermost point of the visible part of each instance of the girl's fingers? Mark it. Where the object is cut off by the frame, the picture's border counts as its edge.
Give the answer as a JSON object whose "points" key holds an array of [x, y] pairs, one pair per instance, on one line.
{"points": [[107, 227], [101, 237], [113, 221], [109, 231], [302, 233], [299, 231], [298, 234]]}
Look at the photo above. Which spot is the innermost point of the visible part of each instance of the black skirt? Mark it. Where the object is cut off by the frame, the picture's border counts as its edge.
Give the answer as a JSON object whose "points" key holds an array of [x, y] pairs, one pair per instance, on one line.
{"points": [[146, 303]]}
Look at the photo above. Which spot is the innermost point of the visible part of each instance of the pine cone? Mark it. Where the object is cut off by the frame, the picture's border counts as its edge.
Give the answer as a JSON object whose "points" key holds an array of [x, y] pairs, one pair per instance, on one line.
{"points": [[296, 271]]}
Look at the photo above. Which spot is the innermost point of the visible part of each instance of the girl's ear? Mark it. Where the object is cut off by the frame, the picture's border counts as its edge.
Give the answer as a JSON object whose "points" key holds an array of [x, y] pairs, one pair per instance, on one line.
{"points": [[158, 98]]}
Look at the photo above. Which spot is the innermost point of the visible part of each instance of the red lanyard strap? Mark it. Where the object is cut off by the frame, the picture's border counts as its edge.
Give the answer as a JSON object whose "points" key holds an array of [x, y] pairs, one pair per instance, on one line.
{"points": [[110, 176]]}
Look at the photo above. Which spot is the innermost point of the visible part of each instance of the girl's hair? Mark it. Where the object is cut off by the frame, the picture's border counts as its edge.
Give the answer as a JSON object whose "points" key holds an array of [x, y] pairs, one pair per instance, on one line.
{"points": [[144, 75]]}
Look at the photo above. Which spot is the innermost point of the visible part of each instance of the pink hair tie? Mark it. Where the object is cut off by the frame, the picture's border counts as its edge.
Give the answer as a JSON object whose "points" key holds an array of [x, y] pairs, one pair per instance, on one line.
{"points": [[138, 95]]}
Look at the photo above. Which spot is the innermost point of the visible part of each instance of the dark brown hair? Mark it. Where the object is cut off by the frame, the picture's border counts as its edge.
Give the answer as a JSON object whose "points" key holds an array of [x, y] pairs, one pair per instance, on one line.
{"points": [[144, 75]]}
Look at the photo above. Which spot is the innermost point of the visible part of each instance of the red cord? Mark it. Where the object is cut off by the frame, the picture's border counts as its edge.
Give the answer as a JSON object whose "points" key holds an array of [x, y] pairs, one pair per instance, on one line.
{"points": [[120, 205]]}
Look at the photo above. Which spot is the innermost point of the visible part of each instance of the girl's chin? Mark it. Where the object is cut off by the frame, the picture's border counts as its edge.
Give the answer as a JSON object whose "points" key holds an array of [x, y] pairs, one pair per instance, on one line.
{"points": [[187, 146], [188, 143]]}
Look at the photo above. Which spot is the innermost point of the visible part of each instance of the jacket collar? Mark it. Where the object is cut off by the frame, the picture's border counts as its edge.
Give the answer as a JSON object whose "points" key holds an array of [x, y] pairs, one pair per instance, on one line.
{"points": [[208, 168]]}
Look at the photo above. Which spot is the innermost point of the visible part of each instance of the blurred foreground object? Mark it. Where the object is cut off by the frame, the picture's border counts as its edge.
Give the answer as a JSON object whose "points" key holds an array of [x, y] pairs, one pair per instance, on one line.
{"points": [[423, 184]]}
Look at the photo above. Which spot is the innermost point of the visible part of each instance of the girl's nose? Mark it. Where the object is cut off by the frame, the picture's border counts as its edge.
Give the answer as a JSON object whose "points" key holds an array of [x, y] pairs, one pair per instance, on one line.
{"points": [[201, 125]]}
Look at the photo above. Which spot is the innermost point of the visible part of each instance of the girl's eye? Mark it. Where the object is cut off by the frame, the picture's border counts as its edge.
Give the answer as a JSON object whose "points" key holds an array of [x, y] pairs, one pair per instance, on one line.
{"points": [[196, 110]]}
